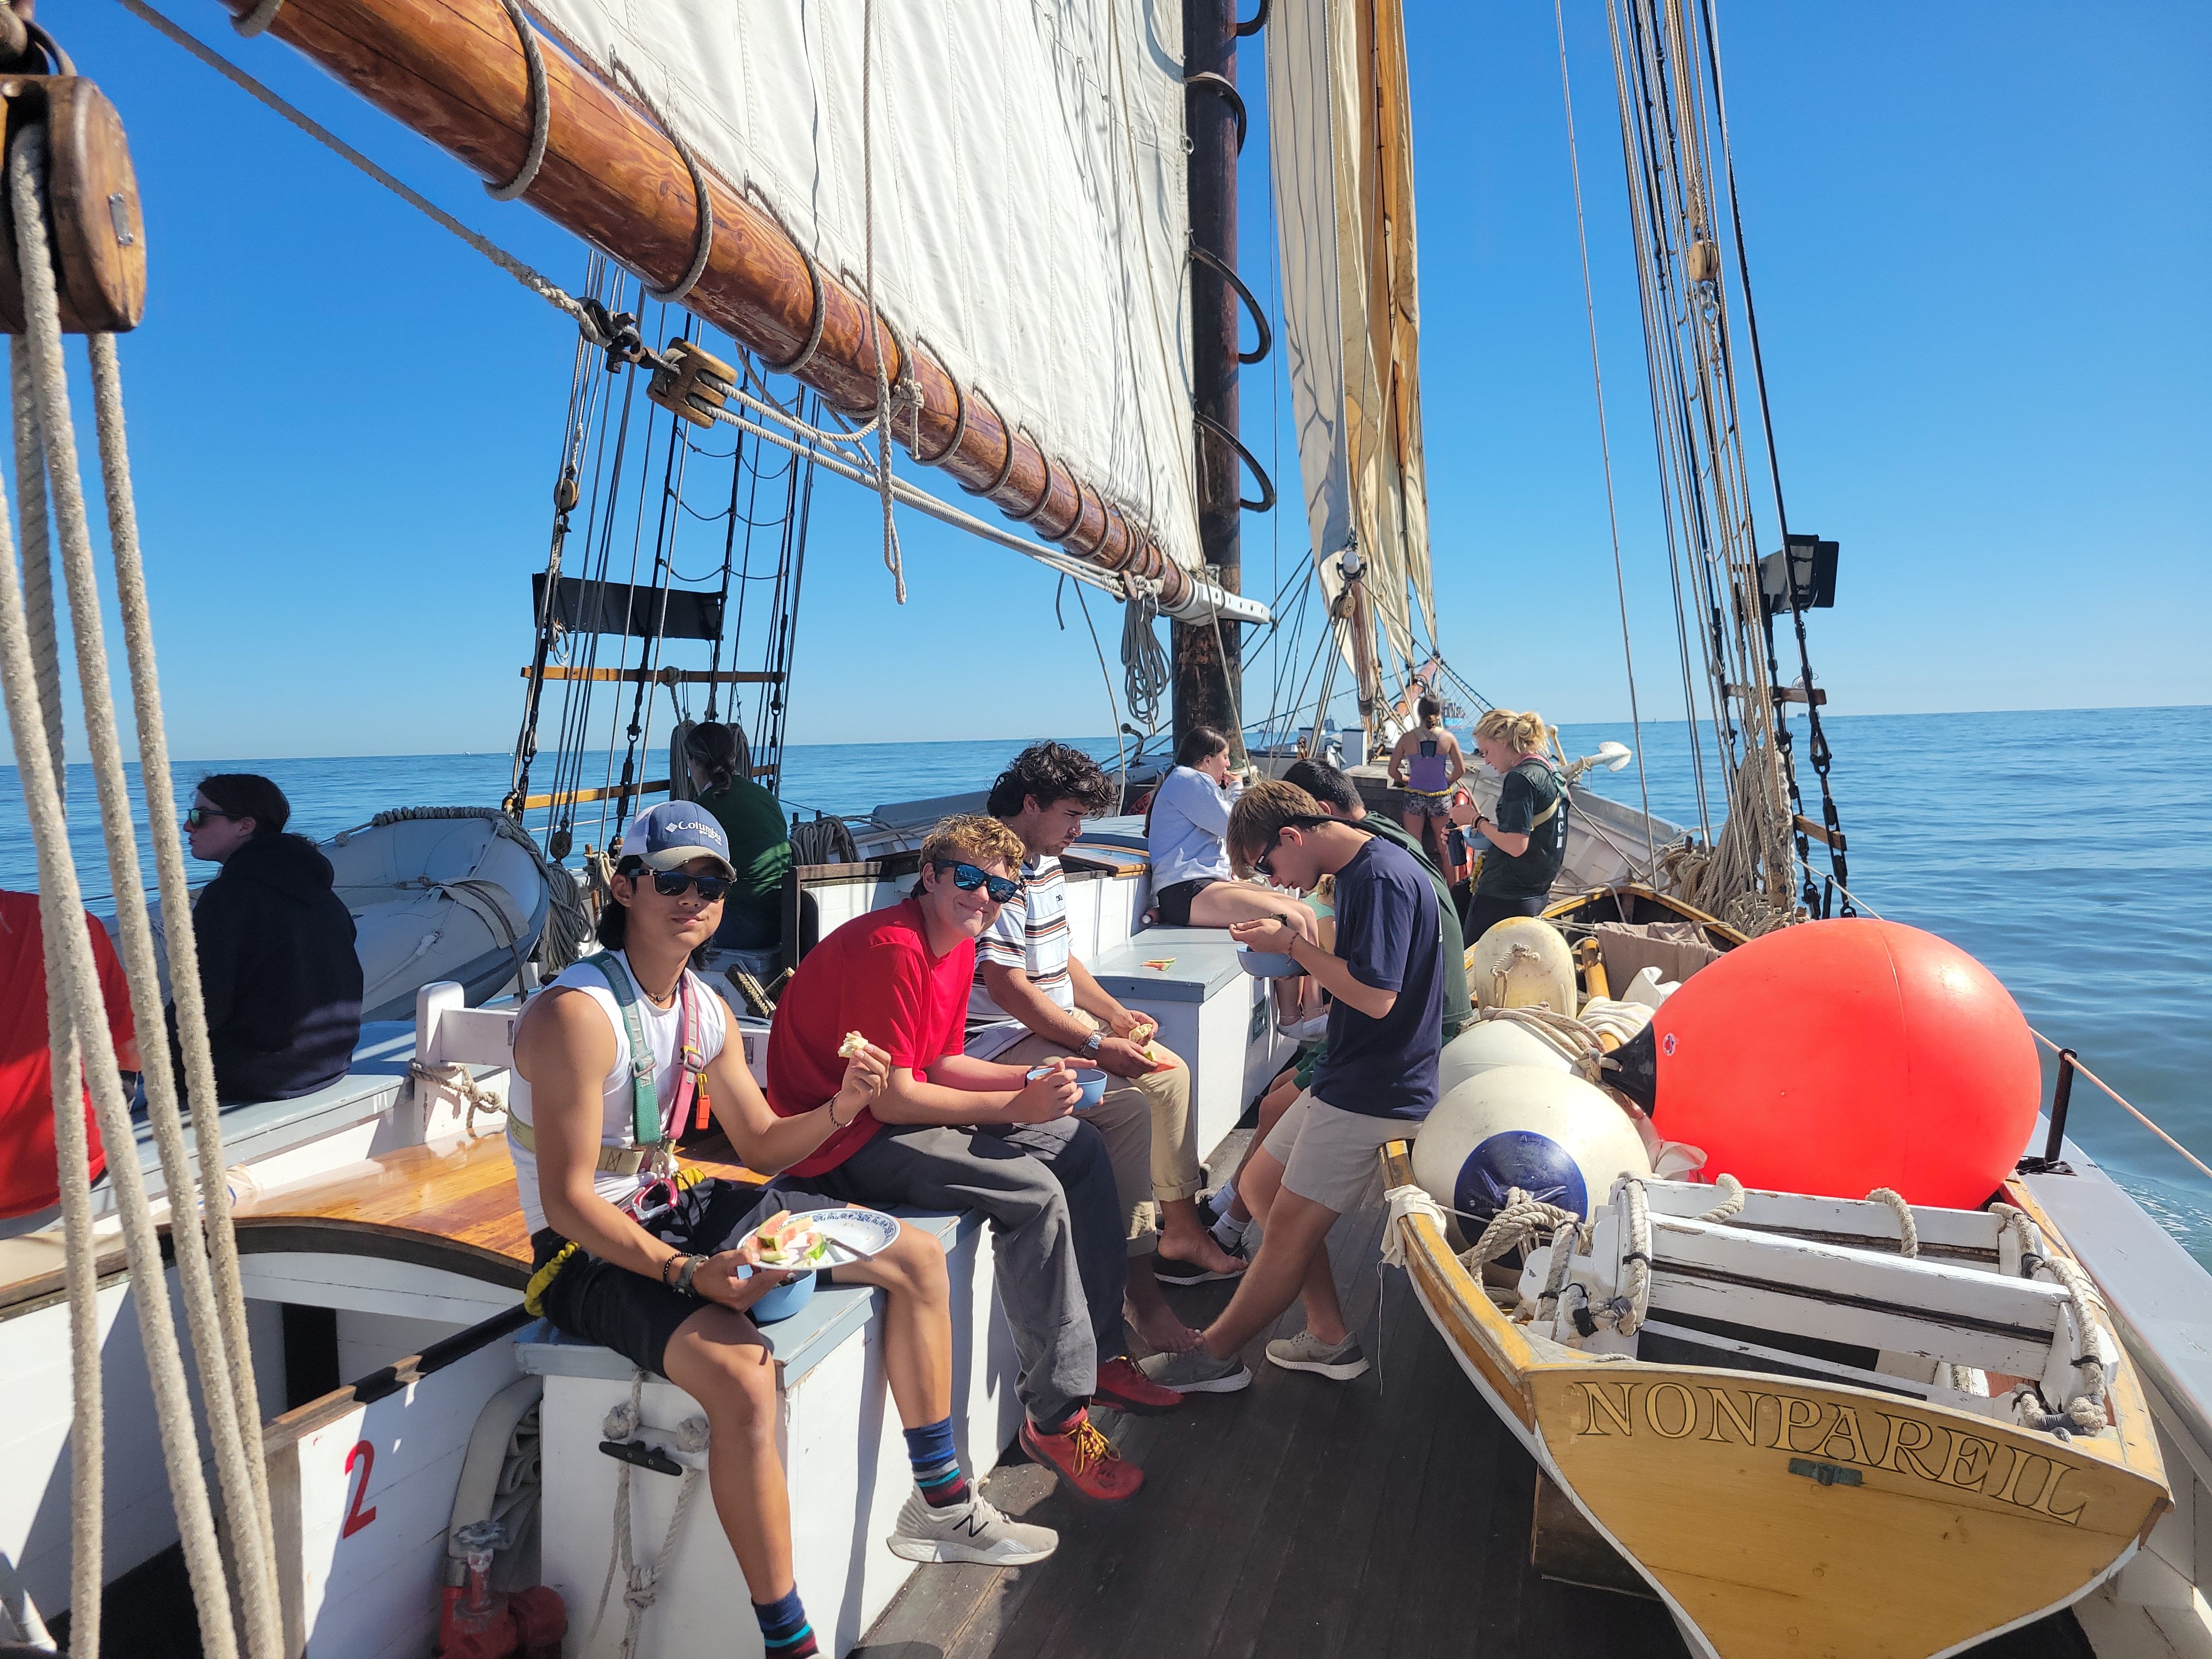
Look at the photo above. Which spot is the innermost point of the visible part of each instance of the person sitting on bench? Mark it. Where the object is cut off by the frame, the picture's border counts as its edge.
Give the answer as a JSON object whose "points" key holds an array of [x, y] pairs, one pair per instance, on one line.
{"points": [[629, 1257], [951, 1132], [1039, 1001], [1192, 884]]}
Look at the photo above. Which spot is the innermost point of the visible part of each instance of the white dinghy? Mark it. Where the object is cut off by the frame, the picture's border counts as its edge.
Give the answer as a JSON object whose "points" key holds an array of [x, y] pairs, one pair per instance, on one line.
{"points": [[440, 893]]}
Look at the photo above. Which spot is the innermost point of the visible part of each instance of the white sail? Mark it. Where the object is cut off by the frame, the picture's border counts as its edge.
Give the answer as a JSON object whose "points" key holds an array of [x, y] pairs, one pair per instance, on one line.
{"points": [[1030, 197], [1341, 132]]}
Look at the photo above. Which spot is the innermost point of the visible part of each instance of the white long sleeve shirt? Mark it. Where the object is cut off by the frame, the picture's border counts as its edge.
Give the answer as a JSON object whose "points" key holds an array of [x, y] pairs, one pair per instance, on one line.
{"points": [[1190, 817]]}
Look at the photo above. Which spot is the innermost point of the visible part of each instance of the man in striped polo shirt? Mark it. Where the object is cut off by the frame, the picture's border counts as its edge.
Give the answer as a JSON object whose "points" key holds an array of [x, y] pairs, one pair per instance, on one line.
{"points": [[1036, 1000]]}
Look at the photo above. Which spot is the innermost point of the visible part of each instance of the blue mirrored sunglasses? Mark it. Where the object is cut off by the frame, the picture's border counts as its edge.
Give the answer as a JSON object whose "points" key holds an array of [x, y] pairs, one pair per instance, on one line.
{"points": [[967, 878]]}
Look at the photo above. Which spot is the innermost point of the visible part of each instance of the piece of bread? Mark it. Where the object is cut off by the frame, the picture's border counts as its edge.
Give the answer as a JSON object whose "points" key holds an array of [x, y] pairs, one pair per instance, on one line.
{"points": [[852, 1045]]}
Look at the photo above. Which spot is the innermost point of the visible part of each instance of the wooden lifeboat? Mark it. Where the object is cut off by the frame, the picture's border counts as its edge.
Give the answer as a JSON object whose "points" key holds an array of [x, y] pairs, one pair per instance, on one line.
{"points": [[1781, 1448]]}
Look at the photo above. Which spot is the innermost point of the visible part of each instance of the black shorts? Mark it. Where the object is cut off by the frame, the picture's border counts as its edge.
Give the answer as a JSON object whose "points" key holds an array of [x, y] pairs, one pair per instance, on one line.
{"points": [[597, 1302], [1172, 902]]}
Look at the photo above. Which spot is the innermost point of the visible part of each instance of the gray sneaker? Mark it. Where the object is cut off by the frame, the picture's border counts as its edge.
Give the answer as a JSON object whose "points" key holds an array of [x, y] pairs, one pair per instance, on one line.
{"points": [[973, 1531], [1307, 1352], [1197, 1371]]}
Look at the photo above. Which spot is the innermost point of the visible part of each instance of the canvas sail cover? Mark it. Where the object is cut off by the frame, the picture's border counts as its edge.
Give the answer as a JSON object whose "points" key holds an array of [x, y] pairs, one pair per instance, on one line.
{"points": [[1341, 133], [1031, 212]]}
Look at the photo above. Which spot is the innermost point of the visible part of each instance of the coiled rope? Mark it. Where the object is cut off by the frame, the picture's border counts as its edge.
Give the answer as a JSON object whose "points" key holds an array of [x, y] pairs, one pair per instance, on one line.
{"points": [[823, 841], [642, 1580], [206, 1253], [1146, 675]]}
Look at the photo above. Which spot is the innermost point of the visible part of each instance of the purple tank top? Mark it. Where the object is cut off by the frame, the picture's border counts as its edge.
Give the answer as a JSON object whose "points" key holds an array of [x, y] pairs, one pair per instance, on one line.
{"points": [[1424, 772]]}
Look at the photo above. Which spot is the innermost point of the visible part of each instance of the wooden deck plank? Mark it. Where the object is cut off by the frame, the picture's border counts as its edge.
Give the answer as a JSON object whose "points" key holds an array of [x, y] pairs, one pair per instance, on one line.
{"points": [[458, 1190], [1386, 1518]]}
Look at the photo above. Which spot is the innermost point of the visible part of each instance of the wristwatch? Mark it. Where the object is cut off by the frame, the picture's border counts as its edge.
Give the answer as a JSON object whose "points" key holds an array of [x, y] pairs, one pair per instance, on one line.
{"points": [[1092, 1043], [685, 1273]]}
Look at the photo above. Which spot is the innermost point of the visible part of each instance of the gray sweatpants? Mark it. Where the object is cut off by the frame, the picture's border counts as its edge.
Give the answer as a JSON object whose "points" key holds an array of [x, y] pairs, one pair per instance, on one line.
{"points": [[1047, 1191]]}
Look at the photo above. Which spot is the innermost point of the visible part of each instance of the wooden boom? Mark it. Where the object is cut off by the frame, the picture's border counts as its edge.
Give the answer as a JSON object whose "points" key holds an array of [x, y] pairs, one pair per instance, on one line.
{"points": [[453, 72]]}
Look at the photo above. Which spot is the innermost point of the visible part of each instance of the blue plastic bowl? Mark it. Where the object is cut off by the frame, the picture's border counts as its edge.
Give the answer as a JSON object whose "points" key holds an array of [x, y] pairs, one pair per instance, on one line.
{"points": [[1268, 964], [783, 1301], [1088, 1078]]}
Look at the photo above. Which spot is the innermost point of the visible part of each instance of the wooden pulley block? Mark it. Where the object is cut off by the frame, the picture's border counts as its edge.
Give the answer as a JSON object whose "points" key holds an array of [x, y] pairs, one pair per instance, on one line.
{"points": [[693, 382], [99, 234], [1703, 261]]}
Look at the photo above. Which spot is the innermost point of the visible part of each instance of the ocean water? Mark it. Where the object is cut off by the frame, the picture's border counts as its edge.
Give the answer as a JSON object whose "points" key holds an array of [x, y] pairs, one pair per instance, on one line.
{"points": [[2068, 850]]}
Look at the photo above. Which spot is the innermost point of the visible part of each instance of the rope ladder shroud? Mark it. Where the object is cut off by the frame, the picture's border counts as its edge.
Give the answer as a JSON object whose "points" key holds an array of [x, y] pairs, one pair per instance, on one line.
{"points": [[459, 74], [205, 1253]]}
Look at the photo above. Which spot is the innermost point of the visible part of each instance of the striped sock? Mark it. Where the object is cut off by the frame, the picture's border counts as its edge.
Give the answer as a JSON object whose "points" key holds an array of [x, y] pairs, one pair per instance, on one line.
{"points": [[936, 1464], [784, 1630]]}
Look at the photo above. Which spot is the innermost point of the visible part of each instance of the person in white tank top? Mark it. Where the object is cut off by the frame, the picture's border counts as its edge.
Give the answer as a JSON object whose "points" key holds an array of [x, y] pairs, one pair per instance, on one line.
{"points": [[670, 1291]]}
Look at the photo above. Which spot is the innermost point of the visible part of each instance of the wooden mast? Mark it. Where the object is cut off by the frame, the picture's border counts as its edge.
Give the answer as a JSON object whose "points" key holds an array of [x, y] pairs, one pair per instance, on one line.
{"points": [[1208, 661], [454, 71]]}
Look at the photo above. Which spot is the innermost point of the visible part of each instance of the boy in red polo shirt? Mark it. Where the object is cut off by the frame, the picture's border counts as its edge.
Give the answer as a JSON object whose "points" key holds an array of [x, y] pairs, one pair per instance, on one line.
{"points": [[950, 1132]]}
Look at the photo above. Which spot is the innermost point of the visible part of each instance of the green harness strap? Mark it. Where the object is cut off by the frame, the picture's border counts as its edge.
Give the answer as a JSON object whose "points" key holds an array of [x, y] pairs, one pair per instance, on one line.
{"points": [[645, 1099]]}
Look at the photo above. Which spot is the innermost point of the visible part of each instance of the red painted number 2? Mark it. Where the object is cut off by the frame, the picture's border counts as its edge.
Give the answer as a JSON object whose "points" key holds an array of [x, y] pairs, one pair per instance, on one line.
{"points": [[357, 1518]]}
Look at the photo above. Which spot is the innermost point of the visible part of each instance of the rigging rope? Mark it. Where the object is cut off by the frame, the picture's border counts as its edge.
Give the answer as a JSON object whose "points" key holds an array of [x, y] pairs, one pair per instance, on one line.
{"points": [[892, 561], [1818, 741], [1703, 477], [1604, 443], [205, 1255]]}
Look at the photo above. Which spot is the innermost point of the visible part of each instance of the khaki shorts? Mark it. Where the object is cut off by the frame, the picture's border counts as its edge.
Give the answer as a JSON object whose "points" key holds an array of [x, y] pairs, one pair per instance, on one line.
{"points": [[1328, 1155]]}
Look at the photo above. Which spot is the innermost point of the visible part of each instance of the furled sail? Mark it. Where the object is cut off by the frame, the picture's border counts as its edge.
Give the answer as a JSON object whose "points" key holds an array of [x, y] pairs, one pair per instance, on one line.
{"points": [[1029, 209], [1342, 131]]}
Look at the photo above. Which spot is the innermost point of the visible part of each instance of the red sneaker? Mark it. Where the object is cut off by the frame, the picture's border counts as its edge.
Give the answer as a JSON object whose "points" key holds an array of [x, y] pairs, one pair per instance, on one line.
{"points": [[1085, 1462], [1126, 1388]]}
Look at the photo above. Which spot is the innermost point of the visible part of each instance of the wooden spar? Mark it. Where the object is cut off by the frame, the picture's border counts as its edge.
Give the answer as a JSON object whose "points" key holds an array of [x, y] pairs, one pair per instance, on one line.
{"points": [[453, 72]]}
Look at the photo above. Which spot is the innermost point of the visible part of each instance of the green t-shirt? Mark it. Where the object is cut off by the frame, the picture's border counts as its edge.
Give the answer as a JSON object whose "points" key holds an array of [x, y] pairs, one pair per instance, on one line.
{"points": [[759, 845], [1459, 1012], [1527, 790]]}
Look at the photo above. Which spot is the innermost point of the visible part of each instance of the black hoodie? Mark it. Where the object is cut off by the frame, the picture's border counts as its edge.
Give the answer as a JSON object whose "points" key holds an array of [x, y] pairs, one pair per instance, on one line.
{"points": [[277, 972]]}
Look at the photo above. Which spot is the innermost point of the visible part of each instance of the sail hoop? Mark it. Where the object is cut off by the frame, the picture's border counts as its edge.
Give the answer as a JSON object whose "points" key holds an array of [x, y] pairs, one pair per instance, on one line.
{"points": [[959, 423], [1228, 274], [258, 18], [1266, 501], [702, 237], [541, 109], [1208, 81]]}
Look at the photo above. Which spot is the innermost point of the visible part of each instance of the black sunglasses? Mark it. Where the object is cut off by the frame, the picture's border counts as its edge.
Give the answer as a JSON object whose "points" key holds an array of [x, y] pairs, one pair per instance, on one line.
{"points": [[674, 883], [1264, 865], [967, 878], [196, 817]]}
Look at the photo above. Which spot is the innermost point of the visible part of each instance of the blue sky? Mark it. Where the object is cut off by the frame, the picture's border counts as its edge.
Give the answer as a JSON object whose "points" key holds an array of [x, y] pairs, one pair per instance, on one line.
{"points": [[1978, 237]]}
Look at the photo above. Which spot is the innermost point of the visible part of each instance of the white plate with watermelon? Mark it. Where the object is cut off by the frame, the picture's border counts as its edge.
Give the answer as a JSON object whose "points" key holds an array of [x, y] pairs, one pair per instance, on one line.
{"points": [[820, 1238]]}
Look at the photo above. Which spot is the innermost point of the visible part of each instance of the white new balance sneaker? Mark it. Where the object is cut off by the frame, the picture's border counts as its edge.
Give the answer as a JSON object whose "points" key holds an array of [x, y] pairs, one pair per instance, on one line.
{"points": [[973, 1531]]}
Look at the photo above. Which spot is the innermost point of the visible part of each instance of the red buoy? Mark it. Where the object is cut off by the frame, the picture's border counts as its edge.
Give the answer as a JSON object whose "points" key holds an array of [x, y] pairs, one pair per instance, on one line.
{"points": [[1838, 1056]]}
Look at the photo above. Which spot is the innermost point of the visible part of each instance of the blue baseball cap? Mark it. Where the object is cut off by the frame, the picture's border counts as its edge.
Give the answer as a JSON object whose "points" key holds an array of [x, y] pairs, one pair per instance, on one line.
{"points": [[670, 835]]}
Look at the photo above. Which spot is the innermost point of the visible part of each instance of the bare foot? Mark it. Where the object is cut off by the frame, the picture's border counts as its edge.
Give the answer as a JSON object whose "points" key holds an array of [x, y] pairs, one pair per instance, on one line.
{"points": [[1160, 1329], [1198, 1248]]}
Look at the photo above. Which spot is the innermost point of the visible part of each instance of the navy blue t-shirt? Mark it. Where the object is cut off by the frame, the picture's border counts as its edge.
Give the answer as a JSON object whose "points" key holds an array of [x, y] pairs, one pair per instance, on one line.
{"points": [[1386, 932]]}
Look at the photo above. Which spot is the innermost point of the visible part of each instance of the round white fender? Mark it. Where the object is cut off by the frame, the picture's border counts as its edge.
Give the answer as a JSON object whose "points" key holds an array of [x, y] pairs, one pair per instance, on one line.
{"points": [[1558, 1138], [1490, 1043], [1523, 962]]}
